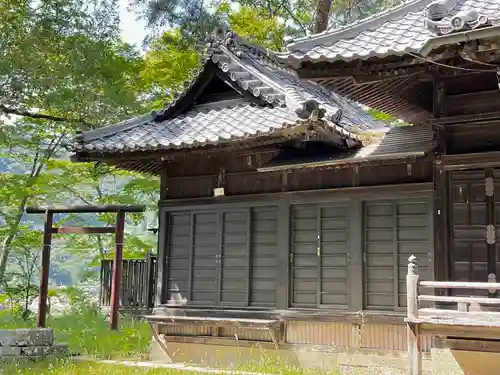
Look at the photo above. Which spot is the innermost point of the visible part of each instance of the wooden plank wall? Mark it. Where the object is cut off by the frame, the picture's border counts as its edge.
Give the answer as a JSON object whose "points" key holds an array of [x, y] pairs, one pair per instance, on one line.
{"points": [[138, 283]]}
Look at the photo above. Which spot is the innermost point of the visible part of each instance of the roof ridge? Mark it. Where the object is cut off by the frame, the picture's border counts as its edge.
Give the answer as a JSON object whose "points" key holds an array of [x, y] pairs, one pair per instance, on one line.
{"points": [[228, 51], [376, 19]]}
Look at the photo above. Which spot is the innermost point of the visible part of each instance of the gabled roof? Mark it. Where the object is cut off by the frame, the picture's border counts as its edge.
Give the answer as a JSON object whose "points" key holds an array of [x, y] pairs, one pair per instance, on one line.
{"points": [[417, 26], [273, 104]]}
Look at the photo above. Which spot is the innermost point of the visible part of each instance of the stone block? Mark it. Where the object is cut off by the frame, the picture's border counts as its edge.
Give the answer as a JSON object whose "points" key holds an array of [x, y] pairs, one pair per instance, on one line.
{"points": [[43, 351], [10, 351], [27, 337]]}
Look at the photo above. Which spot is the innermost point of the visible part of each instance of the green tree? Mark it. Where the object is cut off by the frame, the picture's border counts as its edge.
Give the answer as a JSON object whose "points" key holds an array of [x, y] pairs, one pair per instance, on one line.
{"points": [[167, 64], [86, 183], [62, 65], [297, 17]]}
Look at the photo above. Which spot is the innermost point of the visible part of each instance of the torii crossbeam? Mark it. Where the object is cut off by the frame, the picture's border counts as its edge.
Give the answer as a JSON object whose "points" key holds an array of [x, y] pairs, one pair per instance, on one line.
{"points": [[118, 230]]}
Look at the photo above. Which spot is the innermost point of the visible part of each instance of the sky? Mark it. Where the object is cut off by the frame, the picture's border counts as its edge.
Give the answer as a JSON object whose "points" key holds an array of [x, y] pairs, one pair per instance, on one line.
{"points": [[133, 30]]}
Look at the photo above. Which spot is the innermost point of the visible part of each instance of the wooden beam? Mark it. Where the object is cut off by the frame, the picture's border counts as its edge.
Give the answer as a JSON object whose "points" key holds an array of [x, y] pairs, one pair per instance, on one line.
{"points": [[470, 345], [83, 230], [473, 119], [363, 191], [303, 315], [44, 272], [117, 270], [470, 161], [87, 209]]}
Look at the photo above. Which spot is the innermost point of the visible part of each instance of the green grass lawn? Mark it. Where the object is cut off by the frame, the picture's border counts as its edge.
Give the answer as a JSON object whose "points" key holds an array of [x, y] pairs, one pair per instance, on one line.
{"points": [[87, 333], [70, 368]]}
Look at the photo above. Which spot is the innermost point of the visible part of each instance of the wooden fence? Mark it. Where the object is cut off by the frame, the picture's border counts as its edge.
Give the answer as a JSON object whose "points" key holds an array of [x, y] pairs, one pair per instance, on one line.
{"points": [[138, 285]]}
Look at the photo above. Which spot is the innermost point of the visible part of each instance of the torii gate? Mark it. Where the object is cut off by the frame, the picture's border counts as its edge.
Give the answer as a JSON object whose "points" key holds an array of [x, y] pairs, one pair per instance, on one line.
{"points": [[118, 230]]}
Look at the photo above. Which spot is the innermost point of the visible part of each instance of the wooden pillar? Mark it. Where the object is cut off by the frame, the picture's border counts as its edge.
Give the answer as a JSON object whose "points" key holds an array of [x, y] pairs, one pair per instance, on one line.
{"points": [[441, 189], [283, 268], [414, 349], [161, 259], [150, 280], [355, 255], [44, 273], [413, 337], [491, 256], [441, 224], [117, 270], [163, 182]]}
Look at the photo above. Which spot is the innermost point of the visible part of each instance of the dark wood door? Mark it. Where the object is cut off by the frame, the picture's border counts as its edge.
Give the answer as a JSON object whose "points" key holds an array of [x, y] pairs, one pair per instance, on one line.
{"points": [[320, 255], [474, 252], [393, 231]]}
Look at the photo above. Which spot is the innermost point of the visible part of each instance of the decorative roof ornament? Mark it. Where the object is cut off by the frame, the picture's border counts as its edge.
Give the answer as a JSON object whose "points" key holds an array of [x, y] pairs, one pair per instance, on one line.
{"points": [[439, 9], [441, 21]]}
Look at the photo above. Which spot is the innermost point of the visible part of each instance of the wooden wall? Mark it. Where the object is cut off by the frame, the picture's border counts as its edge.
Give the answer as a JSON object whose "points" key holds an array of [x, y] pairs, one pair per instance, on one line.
{"points": [[196, 176]]}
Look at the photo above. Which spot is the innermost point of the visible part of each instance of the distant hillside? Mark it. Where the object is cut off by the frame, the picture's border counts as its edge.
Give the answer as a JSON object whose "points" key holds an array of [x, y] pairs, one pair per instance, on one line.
{"points": [[66, 267]]}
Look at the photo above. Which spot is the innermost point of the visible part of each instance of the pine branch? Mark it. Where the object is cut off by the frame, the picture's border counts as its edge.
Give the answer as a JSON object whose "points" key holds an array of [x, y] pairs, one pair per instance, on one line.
{"points": [[23, 113]]}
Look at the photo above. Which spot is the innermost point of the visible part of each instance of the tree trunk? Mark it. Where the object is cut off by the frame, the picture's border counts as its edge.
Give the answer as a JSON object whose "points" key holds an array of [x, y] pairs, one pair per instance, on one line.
{"points": [[322, 13], [5, 249]]}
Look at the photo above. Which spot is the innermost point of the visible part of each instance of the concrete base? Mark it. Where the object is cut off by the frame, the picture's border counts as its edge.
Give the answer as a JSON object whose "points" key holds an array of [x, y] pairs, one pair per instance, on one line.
{"points": [[360, 362], [265, 360]]}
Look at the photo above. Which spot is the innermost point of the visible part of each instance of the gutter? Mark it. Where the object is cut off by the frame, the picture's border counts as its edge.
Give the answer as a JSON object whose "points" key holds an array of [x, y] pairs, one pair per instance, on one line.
{"points": [[464, 36]]}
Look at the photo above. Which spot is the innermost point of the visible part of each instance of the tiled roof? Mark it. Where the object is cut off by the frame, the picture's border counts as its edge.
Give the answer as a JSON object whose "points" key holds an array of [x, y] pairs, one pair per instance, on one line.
{"points": [[272, 99], [417, 26], [398, 143], [204, 124]]}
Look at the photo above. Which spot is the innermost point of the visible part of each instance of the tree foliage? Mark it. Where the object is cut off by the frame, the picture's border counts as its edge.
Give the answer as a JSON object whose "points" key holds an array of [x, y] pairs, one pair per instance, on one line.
{"points": [[63, 66], [196, 18]]}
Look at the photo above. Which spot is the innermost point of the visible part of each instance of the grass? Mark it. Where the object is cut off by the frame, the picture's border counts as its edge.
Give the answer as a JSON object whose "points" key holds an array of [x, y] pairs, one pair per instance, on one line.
{"points": [[87, 333], [71, 368], [68, 367]]}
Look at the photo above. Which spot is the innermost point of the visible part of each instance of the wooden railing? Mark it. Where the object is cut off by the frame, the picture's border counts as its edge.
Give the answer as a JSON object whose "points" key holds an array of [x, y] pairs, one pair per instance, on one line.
{"points": [[463, 303], [137, 291], [458, 316]]}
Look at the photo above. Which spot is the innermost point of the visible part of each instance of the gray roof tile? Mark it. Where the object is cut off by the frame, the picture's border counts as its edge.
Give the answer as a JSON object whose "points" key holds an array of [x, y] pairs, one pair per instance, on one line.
{"points": [[202, 125], [411, 27], [289, 102]]}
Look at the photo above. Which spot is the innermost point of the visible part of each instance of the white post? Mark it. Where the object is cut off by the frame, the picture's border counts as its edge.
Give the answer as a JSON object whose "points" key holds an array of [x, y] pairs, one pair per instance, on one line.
{"points": [[413, 337], [412, 288]]}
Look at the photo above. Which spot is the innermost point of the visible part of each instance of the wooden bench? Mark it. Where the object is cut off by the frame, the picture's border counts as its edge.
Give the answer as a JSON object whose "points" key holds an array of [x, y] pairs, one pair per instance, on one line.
{"points": [[272, 326]]}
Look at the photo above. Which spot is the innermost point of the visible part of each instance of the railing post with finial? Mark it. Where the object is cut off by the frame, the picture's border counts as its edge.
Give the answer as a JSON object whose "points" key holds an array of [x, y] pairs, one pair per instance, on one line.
{"points": [[412, 288], [413, 337]]}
